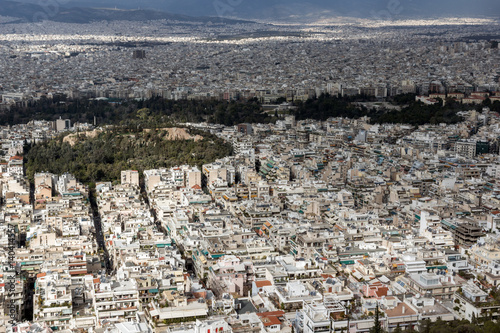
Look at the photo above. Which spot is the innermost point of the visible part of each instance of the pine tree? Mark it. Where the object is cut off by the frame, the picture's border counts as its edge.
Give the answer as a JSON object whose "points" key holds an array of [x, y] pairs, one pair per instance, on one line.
{"points": [[426, 326], [474, 320], [377, 326]]}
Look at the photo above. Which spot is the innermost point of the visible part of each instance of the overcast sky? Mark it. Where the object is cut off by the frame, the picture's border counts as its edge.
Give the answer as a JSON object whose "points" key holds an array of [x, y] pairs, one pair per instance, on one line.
{"points": [[390, 9]]}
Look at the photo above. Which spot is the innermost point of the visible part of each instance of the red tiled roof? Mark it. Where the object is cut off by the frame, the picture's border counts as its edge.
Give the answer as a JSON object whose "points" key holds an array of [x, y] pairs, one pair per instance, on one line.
{"points": [[270, 321], [381, 291], [262, 283]]}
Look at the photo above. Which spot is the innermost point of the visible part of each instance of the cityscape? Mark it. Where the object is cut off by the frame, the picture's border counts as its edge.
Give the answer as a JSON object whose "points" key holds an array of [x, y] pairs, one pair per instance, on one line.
{"points": [[227, 174], [245, 60]]}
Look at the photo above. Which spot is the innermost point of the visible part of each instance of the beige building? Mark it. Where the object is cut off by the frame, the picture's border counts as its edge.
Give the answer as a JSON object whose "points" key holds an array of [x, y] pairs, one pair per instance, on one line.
{"points": [[43, 240], [212, 173], [194, 178], [43, 178], [466, 148], [484, 255], [433, 285], [130, 177]]}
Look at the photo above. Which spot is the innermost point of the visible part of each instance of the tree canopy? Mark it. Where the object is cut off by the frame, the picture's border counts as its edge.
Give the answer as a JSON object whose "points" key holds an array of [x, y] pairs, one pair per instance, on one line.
{"points": [[102, 157], [156, 111]]}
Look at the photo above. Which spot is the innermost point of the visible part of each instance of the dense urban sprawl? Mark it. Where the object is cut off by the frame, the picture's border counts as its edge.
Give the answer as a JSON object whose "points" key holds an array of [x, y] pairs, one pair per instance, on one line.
{"points": [[339, 225]]}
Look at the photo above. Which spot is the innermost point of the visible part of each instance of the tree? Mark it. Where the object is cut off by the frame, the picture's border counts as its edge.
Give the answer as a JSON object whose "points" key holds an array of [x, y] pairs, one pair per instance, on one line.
{"points": [[474, 319], [426, 326], [491, 327], [377, 325], [398, 329]]}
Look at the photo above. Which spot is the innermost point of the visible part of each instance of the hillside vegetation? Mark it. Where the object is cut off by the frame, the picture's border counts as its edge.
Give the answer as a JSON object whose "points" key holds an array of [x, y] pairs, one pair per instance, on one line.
{"points": [[101, 157]]}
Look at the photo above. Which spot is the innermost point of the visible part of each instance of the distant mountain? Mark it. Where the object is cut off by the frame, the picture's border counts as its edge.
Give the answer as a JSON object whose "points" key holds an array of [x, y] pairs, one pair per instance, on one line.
{"points": [[293, 10], [16, 9], [32, 12], [310, 9], [303, 9]]}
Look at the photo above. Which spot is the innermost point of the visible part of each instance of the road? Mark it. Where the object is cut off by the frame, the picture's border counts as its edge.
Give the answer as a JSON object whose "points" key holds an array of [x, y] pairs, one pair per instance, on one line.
{"points": [[98, 231]]}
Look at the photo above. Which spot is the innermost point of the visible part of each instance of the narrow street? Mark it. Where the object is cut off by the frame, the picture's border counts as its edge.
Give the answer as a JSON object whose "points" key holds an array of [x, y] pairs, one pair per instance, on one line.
{"points": [[98, 231]]}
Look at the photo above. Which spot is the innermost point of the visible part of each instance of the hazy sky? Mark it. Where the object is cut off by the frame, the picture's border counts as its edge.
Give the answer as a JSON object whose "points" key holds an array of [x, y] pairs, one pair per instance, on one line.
{"points": [[390, 9]]}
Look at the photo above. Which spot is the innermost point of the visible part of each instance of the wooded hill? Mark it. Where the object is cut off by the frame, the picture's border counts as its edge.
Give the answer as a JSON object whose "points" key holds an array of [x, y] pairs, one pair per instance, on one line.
{"points": [[102, 157]]}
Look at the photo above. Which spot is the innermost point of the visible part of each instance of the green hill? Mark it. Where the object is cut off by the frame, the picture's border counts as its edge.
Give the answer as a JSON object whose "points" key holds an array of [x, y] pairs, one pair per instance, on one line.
{"points": [[102, 157]]}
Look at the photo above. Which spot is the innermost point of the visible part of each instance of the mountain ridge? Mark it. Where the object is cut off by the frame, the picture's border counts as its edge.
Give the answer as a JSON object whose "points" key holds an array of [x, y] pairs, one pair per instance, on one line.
{"points": [[234, 11], [29, 12], [273, 9]]}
